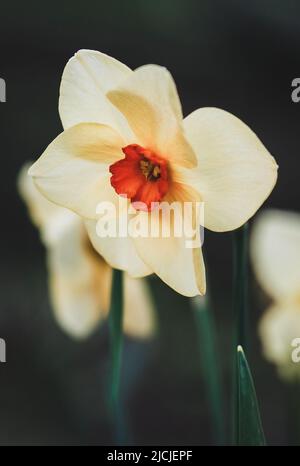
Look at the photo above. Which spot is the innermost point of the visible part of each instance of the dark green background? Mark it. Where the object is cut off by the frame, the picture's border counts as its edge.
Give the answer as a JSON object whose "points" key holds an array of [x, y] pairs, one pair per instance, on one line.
{"points": [[237, 55]]}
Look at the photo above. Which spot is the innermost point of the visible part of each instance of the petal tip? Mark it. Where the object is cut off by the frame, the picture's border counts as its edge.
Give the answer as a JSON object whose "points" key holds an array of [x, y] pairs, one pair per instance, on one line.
{"points": [[31, 170]]}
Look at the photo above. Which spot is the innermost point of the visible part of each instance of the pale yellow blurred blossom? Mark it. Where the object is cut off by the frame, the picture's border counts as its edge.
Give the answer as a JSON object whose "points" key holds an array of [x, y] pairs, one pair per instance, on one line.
{"points": [[124, 134], [79, 278], [275, 252]]}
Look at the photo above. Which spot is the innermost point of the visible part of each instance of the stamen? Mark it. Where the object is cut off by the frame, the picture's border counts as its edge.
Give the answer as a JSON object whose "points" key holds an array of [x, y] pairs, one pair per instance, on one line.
{"points": [[150, 170]]}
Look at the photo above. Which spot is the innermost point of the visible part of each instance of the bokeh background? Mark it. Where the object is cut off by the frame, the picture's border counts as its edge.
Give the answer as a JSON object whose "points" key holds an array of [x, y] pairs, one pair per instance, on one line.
{"points": [[237, 55]]}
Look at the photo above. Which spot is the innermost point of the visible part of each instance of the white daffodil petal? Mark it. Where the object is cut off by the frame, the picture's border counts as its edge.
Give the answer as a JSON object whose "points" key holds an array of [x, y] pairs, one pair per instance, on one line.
{"points": [[235, 172], [148, 98], [139, 313], [278, 328], [87, 77], [74, 168], [275, 252], [119, 252], [79, 282], [179, 266], [40, 209]]}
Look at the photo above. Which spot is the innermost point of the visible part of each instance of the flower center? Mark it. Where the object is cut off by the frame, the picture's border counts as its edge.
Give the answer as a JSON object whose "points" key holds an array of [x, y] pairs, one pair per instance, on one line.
{"points": [[142, 176], [149, 170]]}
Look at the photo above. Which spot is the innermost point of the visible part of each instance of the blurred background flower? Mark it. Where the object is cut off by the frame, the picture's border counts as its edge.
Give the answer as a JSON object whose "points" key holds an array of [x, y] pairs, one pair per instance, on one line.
{"points": [[275, 249], [79, 278]]}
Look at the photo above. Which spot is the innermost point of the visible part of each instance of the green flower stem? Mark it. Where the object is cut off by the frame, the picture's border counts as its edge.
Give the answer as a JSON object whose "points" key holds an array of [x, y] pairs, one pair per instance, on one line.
{"points": [[116, 339], [210, 366]]}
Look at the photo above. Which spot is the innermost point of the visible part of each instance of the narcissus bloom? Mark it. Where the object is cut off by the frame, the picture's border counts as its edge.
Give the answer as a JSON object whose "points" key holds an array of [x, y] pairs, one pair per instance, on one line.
{"points": [[275, 251], [124, 135], [80, 279]]}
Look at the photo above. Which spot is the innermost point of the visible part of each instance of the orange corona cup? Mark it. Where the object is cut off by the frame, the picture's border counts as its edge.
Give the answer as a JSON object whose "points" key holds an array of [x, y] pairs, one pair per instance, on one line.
{"points": [[142, 176]]}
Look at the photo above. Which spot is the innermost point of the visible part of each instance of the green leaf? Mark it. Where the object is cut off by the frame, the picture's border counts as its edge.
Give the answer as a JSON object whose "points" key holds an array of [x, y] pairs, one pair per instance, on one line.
{"points": [[116, 337], [249, 426]]}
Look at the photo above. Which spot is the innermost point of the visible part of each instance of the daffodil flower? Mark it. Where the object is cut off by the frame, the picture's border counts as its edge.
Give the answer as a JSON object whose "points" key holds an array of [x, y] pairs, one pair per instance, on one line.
{"points": [[80, 279], [275, 251], [124, 135]]}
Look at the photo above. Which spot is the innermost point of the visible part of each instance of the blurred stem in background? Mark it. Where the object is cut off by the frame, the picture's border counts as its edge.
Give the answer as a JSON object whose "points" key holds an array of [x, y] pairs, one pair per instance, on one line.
{"points": [[249, 430], [240, 286], [116, 345], [246, 420], [210, 365]]}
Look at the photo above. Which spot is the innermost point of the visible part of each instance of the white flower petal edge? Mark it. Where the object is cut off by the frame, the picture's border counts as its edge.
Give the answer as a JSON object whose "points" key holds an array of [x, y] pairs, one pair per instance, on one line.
{"points": [[235, 172], [275, 253], [86, 79], [179, 267], [73, 171]]}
